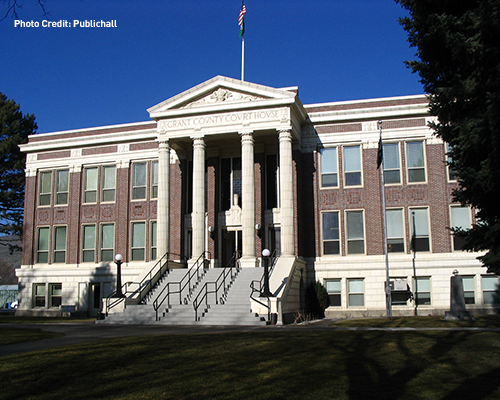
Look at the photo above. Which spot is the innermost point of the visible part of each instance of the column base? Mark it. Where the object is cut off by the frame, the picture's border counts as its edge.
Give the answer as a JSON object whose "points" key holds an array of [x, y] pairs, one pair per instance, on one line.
{"points": [[248, 262]]}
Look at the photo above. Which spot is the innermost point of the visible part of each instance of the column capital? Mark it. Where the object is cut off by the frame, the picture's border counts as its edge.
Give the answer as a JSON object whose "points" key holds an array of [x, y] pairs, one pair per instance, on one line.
{"points": [[163, 144], [246, 137], [285, 134], [198, 141]]}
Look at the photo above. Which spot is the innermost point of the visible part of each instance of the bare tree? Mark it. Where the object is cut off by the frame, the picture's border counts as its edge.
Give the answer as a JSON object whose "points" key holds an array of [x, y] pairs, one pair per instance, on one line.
{"points": [[12, 8]]}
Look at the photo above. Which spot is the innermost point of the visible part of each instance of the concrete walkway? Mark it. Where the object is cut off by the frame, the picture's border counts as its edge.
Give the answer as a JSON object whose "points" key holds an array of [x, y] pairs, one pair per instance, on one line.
{"points": [[75, 333]]}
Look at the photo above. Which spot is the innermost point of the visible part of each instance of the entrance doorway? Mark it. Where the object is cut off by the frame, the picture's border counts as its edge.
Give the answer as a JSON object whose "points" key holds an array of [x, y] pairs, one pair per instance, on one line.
{"points": [[95, 299], [231, 244]]}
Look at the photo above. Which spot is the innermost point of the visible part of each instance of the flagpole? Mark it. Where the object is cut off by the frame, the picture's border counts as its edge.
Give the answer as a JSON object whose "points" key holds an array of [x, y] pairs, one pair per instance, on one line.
{"points": [[242, 58], [388, 298]]}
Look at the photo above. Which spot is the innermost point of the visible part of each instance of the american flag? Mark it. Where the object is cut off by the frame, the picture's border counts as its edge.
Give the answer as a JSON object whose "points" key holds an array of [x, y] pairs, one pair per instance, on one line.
{"points": [[241, 22]]}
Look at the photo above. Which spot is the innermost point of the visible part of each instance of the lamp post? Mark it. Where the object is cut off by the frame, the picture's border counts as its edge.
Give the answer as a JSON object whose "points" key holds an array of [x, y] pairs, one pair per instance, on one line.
{"points": [[118, 261], [265, 259]]}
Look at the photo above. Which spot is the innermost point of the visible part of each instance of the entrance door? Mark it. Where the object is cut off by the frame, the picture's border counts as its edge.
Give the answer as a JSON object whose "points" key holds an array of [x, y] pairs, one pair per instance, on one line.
{"points": [[274, 240], [95, 299], [231, 243]]}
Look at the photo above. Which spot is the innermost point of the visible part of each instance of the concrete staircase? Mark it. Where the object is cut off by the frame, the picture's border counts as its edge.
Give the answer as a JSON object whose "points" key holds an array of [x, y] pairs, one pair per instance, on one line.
{"points": [[233, 307]]}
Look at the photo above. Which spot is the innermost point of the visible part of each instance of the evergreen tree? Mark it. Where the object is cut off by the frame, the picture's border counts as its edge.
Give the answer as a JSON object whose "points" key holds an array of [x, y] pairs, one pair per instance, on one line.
{"points": [[458, 52], [14, 130]]}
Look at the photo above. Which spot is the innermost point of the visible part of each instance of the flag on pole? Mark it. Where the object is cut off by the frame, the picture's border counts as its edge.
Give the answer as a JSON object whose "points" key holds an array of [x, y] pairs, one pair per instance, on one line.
{"points": [[380, 153], [241, 18]]}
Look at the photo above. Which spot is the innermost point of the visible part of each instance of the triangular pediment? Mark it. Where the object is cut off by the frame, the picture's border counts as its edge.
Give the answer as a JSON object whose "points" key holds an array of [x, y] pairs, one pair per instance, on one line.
{"points": [[222, 93]]}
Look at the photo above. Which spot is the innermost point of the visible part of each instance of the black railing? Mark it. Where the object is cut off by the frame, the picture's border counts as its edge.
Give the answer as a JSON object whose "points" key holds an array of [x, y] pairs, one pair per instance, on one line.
{"points": [[256, 286], [219, 286], [189, 281], [137, 291]]}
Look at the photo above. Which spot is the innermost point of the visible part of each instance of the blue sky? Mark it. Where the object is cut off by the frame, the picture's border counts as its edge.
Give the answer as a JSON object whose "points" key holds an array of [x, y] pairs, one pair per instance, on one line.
{"points": [[71, 78]]}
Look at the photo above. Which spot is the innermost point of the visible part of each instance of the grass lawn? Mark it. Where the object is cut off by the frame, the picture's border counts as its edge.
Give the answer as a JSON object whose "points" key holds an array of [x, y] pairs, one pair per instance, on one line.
{"points": [[298, 364]]}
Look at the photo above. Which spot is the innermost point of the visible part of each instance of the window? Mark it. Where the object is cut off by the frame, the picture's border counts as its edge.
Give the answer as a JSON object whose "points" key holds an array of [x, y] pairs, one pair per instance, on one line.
{"points": [[468, 284], [490, 290], [272, 181], [392, 169], [451, 173], [138, 241], [415, 162], [333, 288], [355, 232], [62, 186], [423, 293], [420, 229], [331, 233], [90, 185], [154, 180], [460, 218], [39, 294], [139, 181], [107, 242], [88, 247], [55, 294], [230, 182], [355, 292], [395, 231], [43, 246], [352, 166], [153, 240], [108, 183], [59, 244], [329, 171], [45, 188]]}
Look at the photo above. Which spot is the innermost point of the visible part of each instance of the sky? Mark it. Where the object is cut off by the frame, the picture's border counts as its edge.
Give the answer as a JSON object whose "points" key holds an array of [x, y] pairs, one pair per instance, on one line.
{"points": [[79, 77]]}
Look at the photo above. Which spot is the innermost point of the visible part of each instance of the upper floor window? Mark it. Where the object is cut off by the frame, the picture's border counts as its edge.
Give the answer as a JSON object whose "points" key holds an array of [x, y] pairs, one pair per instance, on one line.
{"points": [[90, 185], [352, 166], [62, 186], [415, 162], [89, 242], [460, 218], [392, 167], [45, 188], [138, 241], [42, 253], [154, 180], [230, 183], [60, 244], [395, 231], [329, 167], [331, 233], [451, 173], [107, 242], [420, 229], [139, 181], [108, 183], [355, 232]]}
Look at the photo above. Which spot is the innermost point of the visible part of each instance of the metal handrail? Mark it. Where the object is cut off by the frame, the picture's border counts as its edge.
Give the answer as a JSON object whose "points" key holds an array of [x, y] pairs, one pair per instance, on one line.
{"points": [[220, 281], [144, 286], [187, 280], [273, 258]]}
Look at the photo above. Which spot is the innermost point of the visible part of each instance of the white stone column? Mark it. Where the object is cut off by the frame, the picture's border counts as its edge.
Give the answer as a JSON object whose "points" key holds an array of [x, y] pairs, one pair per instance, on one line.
{"points": [[286, 193], [198, 215], [248, 196], [163, 216]]}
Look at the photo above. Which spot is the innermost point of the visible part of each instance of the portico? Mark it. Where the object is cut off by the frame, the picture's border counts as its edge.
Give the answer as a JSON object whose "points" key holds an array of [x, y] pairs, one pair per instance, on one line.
{"points": [[224, 131]]}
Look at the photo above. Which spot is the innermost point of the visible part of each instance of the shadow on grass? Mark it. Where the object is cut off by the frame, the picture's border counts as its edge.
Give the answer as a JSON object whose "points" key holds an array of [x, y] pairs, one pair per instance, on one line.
{"points": [[263, 365]]}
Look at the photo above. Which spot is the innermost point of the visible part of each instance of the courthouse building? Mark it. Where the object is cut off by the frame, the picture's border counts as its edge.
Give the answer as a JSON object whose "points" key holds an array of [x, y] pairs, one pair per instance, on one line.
{"points": [[231, 167]]}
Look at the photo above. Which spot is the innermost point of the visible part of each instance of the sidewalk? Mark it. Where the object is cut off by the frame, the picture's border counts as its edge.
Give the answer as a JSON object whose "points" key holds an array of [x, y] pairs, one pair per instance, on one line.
{"points": [[75, 333]]}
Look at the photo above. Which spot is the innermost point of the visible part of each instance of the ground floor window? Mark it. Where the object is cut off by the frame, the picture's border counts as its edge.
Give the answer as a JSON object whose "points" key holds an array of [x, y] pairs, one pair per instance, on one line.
{"points": [[468, 284], [39, 294], [491, 290], [153, 240], [423, 295], [333, 288], [55, 294], [331, 233], [356, 292]]}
